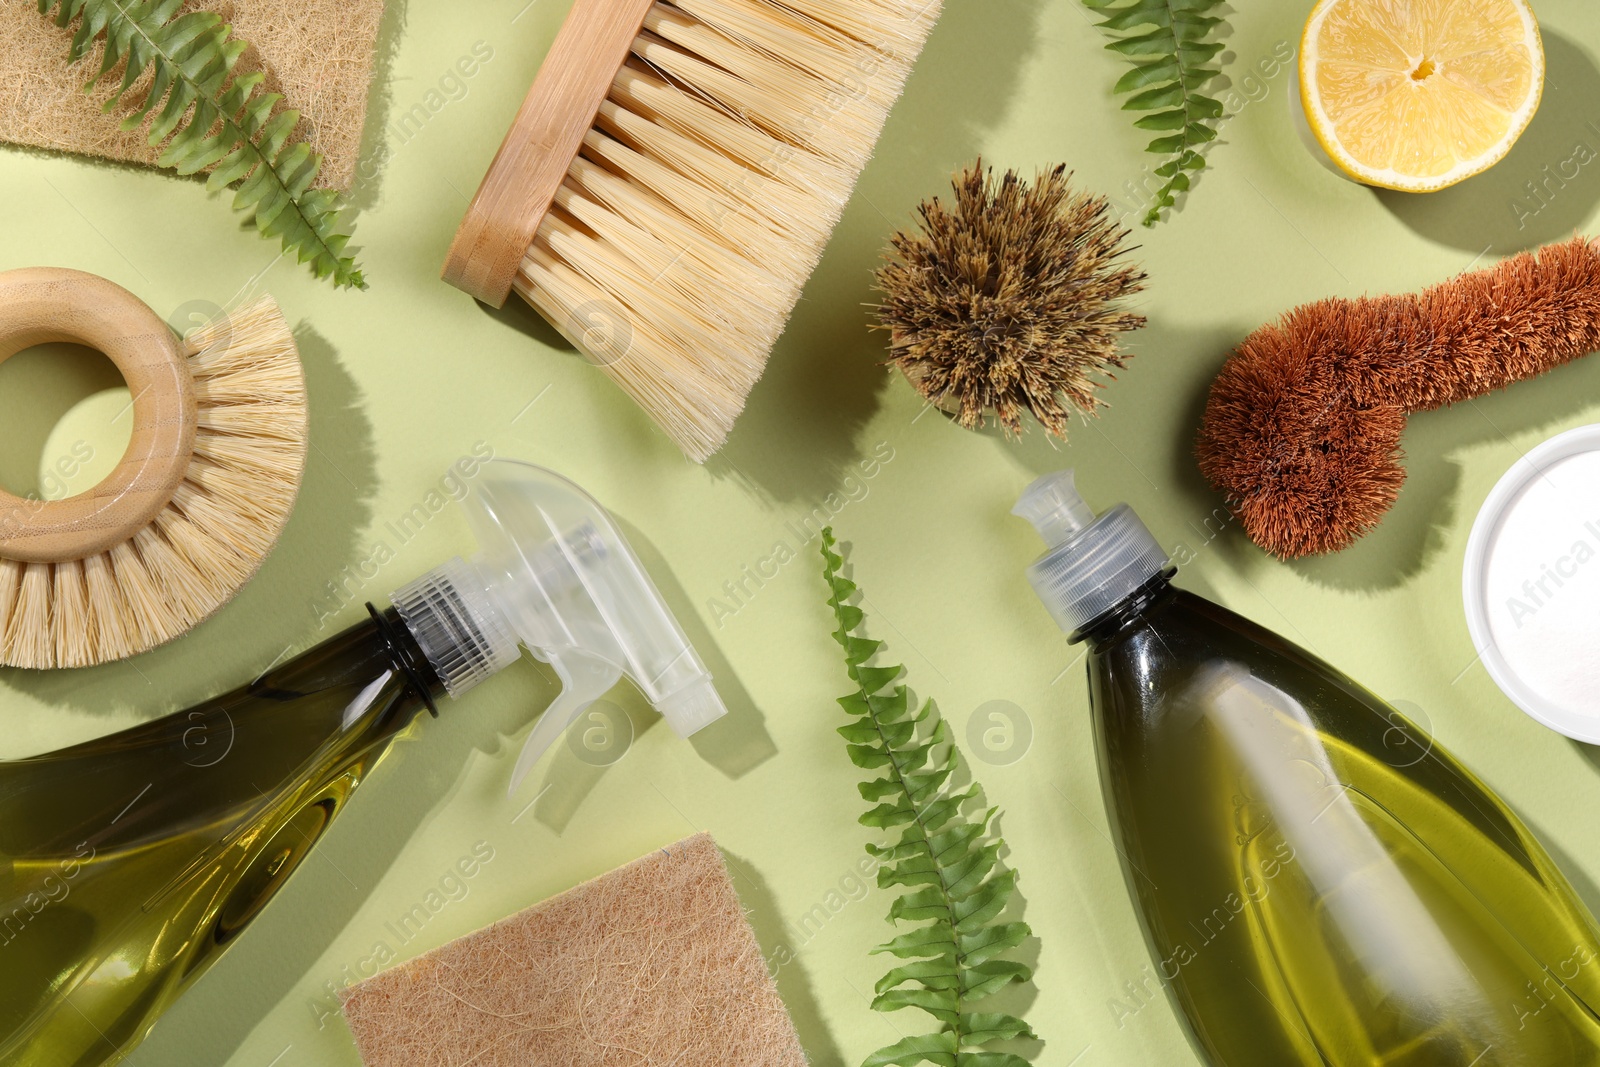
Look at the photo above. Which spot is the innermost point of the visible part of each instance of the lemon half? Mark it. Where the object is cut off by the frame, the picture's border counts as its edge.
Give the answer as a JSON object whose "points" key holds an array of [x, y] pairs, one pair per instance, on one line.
{"points": [[1418, 95]]}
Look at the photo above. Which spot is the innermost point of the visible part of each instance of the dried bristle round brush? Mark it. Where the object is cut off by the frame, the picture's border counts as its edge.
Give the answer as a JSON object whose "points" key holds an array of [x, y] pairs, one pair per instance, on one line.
{"points": [[1010, 300], [1302, 428], [209, 477], [671, 180]]}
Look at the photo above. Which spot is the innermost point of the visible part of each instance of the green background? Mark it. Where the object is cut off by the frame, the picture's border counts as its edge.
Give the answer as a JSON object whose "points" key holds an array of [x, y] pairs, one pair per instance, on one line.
{"points": [[410, 375]]}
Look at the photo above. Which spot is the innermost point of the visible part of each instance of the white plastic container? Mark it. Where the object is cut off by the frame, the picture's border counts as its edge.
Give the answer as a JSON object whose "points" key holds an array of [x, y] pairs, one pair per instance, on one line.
{"points": [[1531, 584]]}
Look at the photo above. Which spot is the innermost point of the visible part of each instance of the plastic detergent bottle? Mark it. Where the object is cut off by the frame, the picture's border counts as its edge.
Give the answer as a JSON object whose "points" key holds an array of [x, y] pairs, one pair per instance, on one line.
{"points": [[1319, 883], [129, 863]]}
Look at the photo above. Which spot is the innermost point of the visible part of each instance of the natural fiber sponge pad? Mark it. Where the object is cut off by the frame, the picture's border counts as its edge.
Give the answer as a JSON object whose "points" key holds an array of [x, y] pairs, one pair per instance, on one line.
{"points": [[653, 963], [318, 53]]}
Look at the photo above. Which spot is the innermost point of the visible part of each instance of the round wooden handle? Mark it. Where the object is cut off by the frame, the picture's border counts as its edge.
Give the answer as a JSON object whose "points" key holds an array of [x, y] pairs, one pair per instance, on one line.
{"points": [[43, 304]]}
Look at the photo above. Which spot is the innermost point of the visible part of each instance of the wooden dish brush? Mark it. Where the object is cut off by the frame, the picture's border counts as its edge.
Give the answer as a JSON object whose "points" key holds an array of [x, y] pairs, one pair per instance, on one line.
{"points": [[1302, 428], [672, 177], [200, 496]]}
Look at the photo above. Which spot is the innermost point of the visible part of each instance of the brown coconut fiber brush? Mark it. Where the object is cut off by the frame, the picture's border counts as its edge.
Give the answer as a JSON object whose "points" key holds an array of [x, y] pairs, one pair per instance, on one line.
{"points": [[1302, 428], [200, 496], [672, 177]]}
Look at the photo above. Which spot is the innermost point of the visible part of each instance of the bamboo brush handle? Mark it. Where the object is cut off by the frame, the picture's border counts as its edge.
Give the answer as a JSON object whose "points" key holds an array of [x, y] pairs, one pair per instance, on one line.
{"points": [[43, 304], [543, 141]]}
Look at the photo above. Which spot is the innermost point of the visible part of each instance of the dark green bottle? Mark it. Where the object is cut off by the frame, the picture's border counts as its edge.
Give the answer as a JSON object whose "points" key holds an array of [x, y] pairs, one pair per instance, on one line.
{"points": [[1320, 883], [128, 864]]}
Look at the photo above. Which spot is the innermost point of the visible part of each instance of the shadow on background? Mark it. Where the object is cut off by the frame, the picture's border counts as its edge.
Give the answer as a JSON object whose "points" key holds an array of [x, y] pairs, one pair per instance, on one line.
{"points": [[1558, 155], [824, 379], [518, 315], [589, 748], [1588, 893], [738, 743], [38, 387], [794, 985], [366, 189], [1413, 531], [1018, 997], [277, 610]]}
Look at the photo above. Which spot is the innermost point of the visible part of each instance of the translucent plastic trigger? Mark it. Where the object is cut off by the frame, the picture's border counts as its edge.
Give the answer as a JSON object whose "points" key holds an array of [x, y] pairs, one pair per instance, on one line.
{"points": [[555, 571]]}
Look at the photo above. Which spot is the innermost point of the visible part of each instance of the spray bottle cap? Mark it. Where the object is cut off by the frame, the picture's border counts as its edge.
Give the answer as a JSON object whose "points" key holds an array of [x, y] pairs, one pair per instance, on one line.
{"points": [[1093, 563], [556, 575]]}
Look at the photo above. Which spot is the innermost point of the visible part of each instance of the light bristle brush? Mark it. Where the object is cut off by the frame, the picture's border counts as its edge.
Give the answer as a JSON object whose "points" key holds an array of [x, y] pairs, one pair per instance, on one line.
{"points": [[671, 180], [205, 487]]}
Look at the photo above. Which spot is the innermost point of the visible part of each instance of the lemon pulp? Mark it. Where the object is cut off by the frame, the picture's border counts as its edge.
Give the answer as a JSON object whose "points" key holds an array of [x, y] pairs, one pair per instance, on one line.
{"points": [[1420, 94]]}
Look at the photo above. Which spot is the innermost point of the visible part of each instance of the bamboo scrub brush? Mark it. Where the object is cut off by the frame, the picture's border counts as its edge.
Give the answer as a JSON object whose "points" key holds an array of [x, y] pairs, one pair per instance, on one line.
{"points": [[1302, 428], [672, 177], [201, 494]]}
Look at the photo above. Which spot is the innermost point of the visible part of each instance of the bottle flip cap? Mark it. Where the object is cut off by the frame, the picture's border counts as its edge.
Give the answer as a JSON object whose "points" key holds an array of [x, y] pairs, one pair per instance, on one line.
{"points": [[554, 574], [1093, 562]]}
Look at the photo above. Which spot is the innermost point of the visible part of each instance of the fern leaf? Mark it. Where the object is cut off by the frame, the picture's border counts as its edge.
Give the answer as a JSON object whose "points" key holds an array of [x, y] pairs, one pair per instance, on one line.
{"points": [[1168, 43], [947, 862], [937, 1048], [201, 116], [989, 1059]]}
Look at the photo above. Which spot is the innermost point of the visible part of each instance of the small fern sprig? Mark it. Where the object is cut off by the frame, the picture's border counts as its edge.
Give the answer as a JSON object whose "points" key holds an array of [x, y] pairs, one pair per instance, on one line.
{"points": [[1171, 61], [213, 119], [942, 858]]}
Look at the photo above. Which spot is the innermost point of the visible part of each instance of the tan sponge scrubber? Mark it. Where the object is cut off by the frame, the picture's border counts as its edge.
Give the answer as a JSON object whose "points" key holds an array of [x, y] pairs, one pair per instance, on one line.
{"points": [[654, 963], [318, 53]]}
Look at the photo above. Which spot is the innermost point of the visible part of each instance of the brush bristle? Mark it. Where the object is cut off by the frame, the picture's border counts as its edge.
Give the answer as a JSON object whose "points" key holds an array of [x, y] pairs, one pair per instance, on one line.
{"points": [[27, 637], [250, 451], [1010, 299], [700, 202], [1303, 424]]}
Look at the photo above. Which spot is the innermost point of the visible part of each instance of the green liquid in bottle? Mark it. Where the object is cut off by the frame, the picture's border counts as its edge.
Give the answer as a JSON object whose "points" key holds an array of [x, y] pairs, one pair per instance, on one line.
{"points": [[129, 863], [1320, 883]]}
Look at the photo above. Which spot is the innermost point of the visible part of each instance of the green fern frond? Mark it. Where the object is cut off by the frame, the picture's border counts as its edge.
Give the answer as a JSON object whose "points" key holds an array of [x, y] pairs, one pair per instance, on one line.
{"points": [[208, 118], [947, 862], [1171, 57]]}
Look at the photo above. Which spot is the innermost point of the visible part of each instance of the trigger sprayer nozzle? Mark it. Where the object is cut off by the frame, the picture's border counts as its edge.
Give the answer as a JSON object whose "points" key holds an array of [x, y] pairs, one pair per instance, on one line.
{"points": [[554, 575]]}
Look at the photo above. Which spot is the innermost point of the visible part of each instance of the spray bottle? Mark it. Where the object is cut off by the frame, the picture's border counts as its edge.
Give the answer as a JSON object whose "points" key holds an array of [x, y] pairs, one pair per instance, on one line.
{"points": [[129, 863], [1319, 882]]}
